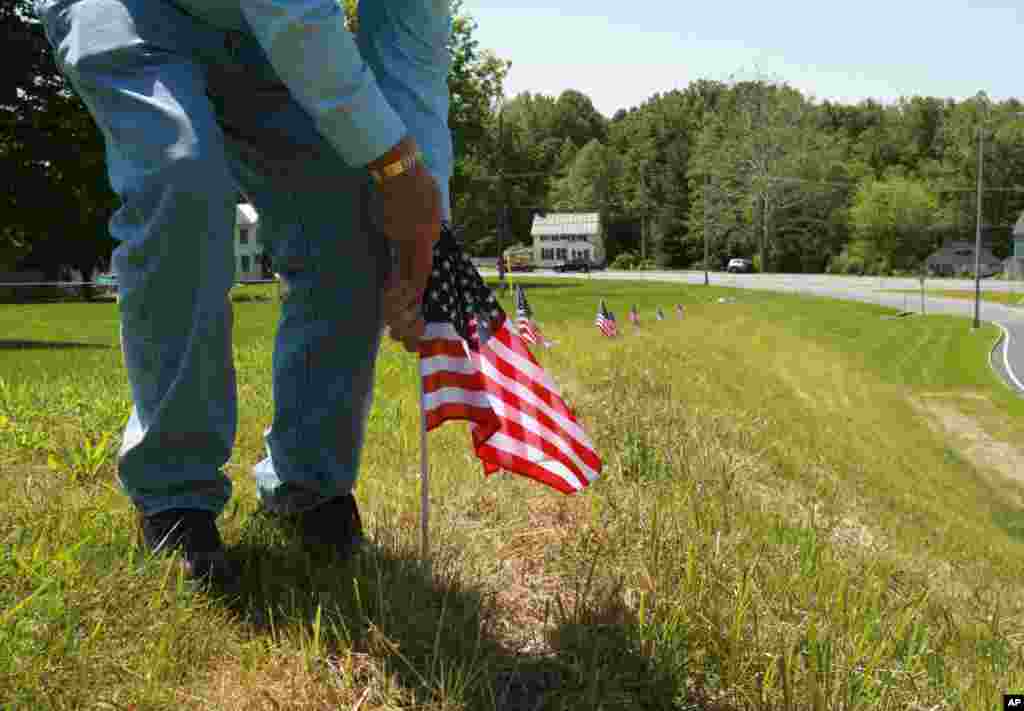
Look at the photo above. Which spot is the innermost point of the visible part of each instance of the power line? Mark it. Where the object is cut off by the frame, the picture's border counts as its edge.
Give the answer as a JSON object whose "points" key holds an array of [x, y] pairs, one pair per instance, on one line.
{"points": [[846, 184], [775, 179], [496, 178]]}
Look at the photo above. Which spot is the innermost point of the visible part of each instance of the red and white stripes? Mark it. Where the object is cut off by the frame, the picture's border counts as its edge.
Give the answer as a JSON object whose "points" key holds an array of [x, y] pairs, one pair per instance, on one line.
{"points": [[520, 421]]}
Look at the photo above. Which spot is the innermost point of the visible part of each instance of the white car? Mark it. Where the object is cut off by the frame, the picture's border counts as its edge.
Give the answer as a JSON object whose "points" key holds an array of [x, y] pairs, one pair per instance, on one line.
{"points": [[740, 265]]}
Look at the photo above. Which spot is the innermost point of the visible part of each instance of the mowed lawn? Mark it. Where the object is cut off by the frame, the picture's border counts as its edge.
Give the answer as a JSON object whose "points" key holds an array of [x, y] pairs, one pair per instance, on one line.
{"points": [[804, 506], [1007, 298]]}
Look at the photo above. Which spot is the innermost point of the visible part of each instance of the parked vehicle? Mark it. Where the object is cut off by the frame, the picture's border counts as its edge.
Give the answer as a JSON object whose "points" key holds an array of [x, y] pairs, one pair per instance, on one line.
{"points": [[520, 260], [574, 266], [738, 264]]}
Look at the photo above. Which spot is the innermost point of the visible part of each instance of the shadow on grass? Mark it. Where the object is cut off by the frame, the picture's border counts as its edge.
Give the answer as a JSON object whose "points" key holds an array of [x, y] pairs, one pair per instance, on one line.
{"points": [[613, 663], [437, 633], [15, 344]]}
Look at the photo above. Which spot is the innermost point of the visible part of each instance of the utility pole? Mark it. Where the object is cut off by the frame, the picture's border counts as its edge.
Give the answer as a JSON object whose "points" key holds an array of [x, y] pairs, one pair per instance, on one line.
{"points": [[977, 235], [503, 208], [643, 215], [707, 212]]}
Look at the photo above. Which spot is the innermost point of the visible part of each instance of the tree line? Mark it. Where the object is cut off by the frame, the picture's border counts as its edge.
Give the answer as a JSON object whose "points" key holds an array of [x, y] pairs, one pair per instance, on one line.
{"points": [[758, 167], [765, 172]]}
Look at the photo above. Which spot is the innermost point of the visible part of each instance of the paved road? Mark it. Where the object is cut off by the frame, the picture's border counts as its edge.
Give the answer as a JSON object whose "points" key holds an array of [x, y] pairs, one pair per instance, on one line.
{"points": [[1007, 358]]}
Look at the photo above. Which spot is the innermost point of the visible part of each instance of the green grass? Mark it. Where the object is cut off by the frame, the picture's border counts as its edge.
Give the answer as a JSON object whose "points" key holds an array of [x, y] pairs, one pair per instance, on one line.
{"points": [[780, 525], [1007, 298]]}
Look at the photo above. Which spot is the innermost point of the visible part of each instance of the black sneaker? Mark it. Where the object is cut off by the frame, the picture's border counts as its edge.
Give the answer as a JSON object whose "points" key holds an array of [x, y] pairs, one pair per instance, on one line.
{"points": [[193, 532], [334, 524]]}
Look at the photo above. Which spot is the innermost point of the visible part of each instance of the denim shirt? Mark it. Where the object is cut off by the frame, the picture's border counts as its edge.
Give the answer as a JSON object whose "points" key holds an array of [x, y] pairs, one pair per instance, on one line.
{"points": [[364, 92]]}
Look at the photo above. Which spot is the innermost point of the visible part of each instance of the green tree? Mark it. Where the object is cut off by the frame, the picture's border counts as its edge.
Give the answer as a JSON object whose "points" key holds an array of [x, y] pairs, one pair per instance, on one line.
{"points": [[588, 182], [891, 222], [765, 156], [52, 153], [655, 142], [532, 143], [957, 168]]}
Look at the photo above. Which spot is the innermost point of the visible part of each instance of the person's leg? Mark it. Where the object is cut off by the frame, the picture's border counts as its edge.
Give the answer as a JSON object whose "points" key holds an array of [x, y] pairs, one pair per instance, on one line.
{"points": [[134, 63], [313, 222]]}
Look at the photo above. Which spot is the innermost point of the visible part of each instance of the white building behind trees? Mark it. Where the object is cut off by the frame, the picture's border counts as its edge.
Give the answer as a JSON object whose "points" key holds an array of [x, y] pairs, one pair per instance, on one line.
{"points": [[560, 237]]}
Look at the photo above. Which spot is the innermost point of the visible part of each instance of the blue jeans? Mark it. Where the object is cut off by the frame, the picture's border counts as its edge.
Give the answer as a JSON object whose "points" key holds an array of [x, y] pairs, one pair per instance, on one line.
{"points": [[191, 113]]}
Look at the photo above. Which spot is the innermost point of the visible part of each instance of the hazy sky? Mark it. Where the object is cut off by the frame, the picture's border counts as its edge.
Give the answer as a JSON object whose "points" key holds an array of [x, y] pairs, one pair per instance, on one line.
{"points": [[620, 53]]}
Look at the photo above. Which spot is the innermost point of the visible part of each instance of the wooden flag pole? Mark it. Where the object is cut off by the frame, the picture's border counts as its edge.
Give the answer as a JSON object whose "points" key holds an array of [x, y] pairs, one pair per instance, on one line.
{"points": [[424, 478]]}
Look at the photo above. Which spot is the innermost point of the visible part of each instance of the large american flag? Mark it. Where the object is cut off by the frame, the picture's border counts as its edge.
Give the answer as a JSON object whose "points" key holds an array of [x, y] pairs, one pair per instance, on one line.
{"points": [[528, 330], [606, 321], [475, 367]]}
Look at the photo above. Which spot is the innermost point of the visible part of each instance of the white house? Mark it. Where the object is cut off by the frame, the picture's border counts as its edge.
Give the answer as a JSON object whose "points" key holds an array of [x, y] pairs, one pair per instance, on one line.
{"points": [[562, 237], [248, 250]]}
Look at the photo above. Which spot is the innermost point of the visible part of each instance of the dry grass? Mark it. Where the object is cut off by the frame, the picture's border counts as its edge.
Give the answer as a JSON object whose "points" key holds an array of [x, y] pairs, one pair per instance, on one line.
{"points": [[779, 525]]}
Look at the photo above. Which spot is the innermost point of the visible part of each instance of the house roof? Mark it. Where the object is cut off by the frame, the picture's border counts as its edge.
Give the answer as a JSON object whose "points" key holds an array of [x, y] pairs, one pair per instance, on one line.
{"points": [[246, 214], [948, 254], [567, 223], [1018, 231]]}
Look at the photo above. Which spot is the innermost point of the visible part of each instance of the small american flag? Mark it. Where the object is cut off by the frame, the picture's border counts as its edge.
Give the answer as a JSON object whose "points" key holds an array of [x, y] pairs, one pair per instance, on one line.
{"points": [[606, 321], [660, 314], [528, 329], [679, 310], [475, 367], [634, 316]]}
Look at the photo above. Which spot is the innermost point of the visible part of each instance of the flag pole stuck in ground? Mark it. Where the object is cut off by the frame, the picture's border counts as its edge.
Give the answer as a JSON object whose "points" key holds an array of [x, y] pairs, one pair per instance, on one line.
{"points": [[424, 480], [475, 367]]}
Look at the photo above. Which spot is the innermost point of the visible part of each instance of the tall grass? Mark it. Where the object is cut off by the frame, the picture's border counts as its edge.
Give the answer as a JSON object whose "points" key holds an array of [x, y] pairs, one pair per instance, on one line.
{"points": [[778, 526]]}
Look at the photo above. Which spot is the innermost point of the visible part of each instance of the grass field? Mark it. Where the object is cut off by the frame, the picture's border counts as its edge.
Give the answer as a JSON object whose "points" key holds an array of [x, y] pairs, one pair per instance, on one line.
{"points": [[1007, 298], [804, 506]]}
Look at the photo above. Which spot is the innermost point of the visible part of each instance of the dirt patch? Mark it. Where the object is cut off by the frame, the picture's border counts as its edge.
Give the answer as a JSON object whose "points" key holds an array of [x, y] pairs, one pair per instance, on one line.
{"points": [[977, 445], [523, 613]]}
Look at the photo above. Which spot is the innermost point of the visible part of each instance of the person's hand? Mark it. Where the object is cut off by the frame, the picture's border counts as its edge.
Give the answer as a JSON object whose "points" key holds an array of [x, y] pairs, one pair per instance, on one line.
{"points": [[403, 295], [410, 213]]}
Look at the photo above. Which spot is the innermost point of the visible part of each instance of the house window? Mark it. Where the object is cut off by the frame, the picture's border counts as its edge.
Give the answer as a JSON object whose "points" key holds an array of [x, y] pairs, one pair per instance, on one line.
{"points": [[245, 262], [547, 254], [561, 253], [243, 235]]}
